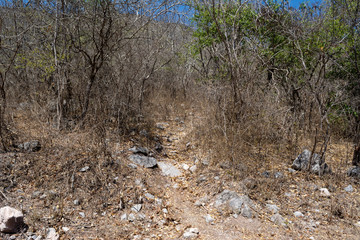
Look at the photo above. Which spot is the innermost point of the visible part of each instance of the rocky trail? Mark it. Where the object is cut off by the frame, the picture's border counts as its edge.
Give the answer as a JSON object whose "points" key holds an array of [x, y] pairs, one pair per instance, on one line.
{"points": [[170, 189]]}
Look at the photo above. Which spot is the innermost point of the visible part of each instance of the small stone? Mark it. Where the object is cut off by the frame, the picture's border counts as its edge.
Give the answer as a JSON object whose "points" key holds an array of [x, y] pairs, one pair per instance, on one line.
{"points": [[266, 174], [82, 214], [349, 188], [324, 192], [291, 170], [123, 217], [209, 219], [216, 177], [76, 202], [273, 208], [168, 169], [141, 150], [185, 167], [205, 162], [84, 169], [287, 194], [52, 234], [144, 161], [65, 229], [298, 214], [136, 208], [11, 220], [191, 233], [131, 217], [149, 196], [31, 146], [176, 186], [140, 216], [357, 224], [193, 168], [278, 175], [160, 126], [278, 219]]}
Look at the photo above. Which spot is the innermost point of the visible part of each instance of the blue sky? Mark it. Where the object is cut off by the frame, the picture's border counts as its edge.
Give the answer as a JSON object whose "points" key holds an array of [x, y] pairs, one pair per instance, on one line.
{"points": [[296, 3]]}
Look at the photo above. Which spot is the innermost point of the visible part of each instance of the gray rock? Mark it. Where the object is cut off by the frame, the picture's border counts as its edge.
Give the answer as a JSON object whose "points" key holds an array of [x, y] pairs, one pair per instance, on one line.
{"points": [[237, 204], [52, 234], [278, 219], [324, 192], [131, 217], [11, 220], [160, 126], [76, 202], [141, 150], [298, 214], [168, 169], [65, 229], [266, 174], [318, 165], [185, 167], [193, 168], [144, 161], [136, 208], [31, 146], [84, 169], [191, 233], [273, 208], [164, 210], [140, 217], [82, 214], [278, 174], [349, 188], [209, 219], [123, 217], [149, 196], [354, 172], [224, 197], [246, 211]]}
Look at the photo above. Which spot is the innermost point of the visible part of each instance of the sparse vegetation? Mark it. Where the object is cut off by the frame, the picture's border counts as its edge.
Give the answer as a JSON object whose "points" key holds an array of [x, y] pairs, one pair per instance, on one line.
{"points": [[242, 86]]}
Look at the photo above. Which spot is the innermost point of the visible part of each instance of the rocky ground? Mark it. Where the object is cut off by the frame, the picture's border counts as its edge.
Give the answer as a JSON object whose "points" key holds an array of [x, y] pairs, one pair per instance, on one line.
{"points": [[158, 184]]}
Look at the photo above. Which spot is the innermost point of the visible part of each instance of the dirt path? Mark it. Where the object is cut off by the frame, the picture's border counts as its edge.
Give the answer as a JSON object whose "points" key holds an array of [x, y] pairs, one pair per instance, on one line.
{"points": [[181, 198]]}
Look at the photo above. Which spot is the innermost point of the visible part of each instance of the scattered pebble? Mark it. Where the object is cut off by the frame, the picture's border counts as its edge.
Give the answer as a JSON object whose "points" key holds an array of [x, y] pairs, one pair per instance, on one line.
{"points": [[191, 233], [76, 202], [123, 217], [298, 214], [65, 229], [149, 196], [82, 214], [164, 210], [185, 167], [52, 234], [209, 219], [131, 217], [193, 168], [84, 169], [136, 208], [324, 192], [349, 188]]}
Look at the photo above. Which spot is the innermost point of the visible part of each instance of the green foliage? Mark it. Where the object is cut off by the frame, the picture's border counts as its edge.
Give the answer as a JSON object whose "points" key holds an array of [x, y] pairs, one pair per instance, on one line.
{"points": [[38, 60]]}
